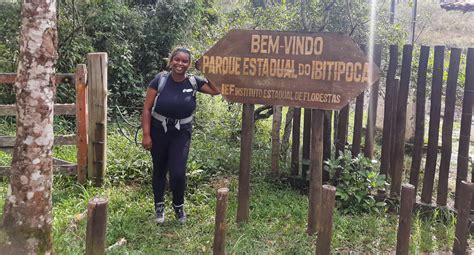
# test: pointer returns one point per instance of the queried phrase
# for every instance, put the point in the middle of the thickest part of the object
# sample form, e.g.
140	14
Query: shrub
356	182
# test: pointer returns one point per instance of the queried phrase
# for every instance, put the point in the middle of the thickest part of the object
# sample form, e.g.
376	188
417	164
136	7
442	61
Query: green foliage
356	182
127	162
137	39
9	33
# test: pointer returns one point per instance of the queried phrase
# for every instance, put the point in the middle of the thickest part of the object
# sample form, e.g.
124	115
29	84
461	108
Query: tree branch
261	114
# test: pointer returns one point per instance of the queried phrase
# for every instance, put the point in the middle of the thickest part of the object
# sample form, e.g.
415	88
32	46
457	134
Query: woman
167	125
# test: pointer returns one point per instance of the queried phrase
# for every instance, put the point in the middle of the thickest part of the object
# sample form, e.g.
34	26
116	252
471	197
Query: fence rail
9	141
9	78
59	109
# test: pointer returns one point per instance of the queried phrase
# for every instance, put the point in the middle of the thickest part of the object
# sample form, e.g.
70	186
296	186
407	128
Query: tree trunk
27	216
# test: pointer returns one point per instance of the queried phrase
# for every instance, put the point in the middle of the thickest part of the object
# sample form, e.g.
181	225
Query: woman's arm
209	88
146	117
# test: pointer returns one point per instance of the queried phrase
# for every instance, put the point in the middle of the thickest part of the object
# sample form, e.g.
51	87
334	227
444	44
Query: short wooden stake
220	225
462	222
81	121
404	221
96	226
323	244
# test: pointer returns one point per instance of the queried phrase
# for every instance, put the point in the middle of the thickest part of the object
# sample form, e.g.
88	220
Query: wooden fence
400	83
60	166
91	97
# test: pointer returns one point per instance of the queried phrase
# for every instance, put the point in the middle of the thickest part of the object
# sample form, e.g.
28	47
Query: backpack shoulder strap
163	77
193	82
162	82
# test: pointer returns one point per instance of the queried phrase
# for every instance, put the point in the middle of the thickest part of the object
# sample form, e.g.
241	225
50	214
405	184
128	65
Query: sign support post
316	170
245	160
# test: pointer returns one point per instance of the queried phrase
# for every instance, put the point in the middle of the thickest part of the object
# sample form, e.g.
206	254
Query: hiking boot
160	212
180	214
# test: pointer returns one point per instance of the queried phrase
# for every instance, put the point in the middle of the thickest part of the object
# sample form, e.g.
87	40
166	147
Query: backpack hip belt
177	122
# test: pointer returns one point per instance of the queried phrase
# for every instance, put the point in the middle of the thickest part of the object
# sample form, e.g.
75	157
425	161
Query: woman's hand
146	117
146	142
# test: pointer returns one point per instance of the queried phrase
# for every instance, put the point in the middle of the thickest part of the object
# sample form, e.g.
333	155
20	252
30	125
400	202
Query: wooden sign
311	70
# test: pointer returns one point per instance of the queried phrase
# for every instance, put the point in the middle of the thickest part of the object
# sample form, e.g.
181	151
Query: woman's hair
179	50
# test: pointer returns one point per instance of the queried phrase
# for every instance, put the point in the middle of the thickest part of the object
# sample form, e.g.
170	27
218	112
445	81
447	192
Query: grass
277	225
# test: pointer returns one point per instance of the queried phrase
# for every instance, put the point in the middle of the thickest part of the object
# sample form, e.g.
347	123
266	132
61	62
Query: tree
27	217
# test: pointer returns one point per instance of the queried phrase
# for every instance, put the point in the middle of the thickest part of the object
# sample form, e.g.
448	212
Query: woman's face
180	63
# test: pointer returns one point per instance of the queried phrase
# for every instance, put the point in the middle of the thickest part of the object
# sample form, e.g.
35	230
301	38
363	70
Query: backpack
163	76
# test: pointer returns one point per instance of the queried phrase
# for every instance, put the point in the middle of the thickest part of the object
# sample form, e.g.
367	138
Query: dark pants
170	154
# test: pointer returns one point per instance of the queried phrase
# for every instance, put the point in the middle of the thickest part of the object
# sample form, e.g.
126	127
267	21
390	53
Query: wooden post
420	116
432	152
81	121
276	125
220	225
404	221
323	244
97	109
372	112
358	117
462	222
399	134
342	130
388	108
327	142
99	155
316	170
447	129
306	143
96	226
396	88
295	142
472	200
335	125
245	160
466	119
